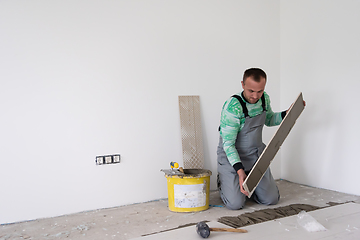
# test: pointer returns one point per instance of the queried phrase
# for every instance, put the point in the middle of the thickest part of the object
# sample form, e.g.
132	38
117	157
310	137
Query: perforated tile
191	133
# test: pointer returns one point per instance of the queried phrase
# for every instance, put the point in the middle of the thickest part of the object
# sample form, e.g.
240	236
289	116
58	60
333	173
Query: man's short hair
255	73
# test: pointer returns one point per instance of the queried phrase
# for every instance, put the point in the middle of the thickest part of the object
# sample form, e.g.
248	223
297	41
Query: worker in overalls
242	119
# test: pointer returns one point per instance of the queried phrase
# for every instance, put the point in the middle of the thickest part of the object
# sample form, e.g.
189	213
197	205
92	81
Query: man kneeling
240	145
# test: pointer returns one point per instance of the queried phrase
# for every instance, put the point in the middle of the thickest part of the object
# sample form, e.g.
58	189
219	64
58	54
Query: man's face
253	90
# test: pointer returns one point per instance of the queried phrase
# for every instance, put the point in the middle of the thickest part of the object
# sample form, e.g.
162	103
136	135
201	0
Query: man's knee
273	199
234	203
267	192
270	199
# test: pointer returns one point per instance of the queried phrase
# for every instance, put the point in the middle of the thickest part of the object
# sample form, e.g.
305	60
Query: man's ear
243	85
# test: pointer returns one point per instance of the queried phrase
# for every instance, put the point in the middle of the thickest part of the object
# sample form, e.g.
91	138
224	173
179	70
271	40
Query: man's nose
257	95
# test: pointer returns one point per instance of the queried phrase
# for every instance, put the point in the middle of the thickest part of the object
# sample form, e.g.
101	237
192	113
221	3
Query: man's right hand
242	177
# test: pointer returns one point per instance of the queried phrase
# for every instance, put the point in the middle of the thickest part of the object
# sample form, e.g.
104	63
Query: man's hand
242	177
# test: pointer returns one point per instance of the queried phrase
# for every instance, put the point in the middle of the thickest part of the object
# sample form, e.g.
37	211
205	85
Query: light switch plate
107	159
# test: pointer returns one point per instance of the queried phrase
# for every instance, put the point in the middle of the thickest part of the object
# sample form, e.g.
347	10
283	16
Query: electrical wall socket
116	158
107	159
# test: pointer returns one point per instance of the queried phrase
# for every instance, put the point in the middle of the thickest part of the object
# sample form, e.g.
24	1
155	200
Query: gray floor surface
133	221
341	221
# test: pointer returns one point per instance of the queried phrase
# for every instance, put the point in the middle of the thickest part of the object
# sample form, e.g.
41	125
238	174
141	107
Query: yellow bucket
188	192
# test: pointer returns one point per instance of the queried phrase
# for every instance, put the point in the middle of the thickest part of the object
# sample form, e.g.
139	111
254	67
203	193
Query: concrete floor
133	221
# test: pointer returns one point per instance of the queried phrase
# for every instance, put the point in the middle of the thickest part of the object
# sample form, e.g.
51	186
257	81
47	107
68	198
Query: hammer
204	231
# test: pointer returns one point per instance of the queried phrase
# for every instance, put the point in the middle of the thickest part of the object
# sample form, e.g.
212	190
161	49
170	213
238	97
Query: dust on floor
132	221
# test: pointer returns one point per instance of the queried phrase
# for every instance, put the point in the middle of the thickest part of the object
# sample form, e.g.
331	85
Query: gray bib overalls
249	145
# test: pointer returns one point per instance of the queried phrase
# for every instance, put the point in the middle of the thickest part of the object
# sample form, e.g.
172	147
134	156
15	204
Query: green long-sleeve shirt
233	120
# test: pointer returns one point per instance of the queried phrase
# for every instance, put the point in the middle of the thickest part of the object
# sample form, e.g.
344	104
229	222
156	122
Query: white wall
320	55
86	78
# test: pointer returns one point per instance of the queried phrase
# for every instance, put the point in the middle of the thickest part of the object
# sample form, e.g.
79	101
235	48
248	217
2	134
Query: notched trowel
175	169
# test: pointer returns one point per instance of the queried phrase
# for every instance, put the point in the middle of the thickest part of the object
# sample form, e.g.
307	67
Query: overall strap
243	105
263	102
